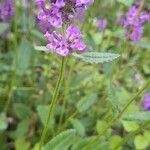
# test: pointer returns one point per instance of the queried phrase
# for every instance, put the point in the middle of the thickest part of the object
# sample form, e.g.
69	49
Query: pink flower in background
146	101
102	24
133	22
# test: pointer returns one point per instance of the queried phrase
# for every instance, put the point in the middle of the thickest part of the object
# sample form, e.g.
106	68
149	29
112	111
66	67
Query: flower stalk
53	102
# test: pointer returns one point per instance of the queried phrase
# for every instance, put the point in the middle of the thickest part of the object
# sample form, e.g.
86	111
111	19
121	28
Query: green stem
112	121
14	66
67	82
53	102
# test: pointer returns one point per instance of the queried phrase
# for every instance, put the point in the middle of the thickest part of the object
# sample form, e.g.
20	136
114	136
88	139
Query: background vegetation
100	105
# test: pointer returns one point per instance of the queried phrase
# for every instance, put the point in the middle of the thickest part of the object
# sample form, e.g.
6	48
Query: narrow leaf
96	57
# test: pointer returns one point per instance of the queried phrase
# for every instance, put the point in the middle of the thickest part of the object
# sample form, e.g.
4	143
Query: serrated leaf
137	116
113	99
96	57
62	141
86	102
3	122
3	27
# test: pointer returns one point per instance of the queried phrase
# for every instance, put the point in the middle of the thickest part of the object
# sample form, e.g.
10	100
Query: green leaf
86	102
137	116
41	48
78	126
3	27
24	57
130	126
113	98
62	141
143	44
96	57
147	135
22	129
43	114
22	111
101	127
114	141
21	144
95	144
126	2
3	122
140	142
38	35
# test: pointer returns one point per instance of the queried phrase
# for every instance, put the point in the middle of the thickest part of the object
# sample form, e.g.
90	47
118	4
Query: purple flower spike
102	24
65	45
146	102
6	10
133	22
60	12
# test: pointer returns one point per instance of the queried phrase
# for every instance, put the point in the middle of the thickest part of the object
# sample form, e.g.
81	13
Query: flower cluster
146	102
6	10
64	45
134	21
57	13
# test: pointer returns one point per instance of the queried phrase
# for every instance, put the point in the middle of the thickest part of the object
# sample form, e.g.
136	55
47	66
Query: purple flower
146	101
133	22
61	11
102	24
44	26
65	45
6	10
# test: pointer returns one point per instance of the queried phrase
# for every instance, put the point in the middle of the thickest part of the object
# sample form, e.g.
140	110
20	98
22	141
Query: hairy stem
53	102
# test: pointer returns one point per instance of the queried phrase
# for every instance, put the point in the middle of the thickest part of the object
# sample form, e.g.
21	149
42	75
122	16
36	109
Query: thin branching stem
113	121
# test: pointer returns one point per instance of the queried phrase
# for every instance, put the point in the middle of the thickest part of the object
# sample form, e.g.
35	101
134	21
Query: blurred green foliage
91	95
